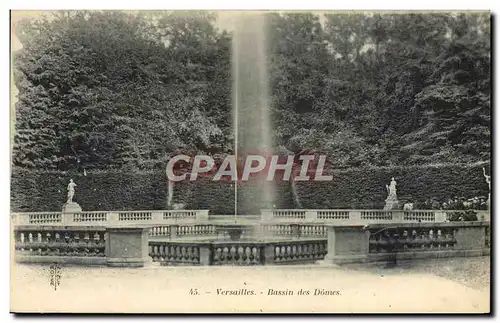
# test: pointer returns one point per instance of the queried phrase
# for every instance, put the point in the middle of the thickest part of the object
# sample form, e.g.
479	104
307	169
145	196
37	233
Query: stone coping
114	211
129	226
460	224
219	241
249	224
365	210
57	227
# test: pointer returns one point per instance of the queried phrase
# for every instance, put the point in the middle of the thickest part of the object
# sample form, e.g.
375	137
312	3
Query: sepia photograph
193	161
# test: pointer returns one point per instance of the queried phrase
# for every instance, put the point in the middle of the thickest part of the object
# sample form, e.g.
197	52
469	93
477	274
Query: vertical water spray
251	110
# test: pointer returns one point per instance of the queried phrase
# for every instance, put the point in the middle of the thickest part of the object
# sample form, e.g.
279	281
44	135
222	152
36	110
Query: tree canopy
104	89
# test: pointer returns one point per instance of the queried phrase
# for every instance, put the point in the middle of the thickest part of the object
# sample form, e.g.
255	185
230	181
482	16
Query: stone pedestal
440	216
71	207
391	204
204	254
311	215
347	244
127	246
268	255
470	238
202	215
266	215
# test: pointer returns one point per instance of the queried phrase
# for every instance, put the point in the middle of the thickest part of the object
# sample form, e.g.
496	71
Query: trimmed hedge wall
114	190
107	190
365	188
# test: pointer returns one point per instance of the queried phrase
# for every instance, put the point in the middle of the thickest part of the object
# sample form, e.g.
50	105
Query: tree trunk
170	193
295	195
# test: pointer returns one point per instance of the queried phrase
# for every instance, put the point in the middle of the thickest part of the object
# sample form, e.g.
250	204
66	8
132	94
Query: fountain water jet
251	107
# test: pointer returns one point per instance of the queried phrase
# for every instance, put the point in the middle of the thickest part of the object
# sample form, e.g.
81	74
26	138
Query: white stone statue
71	191
488	178
391	189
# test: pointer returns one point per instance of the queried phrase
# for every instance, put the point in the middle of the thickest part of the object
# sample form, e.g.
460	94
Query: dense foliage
363	188
124	91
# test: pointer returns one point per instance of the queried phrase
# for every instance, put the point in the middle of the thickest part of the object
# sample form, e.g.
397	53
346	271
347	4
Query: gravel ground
458	285
472	272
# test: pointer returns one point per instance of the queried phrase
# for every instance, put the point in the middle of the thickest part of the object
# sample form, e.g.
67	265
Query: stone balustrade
76	245
350	243
169	253
160	217
365	215
237	253
133	245
292	230
299	251
108	217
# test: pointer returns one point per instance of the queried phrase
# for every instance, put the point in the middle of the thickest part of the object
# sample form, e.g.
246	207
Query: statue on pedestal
71	191
70	206
391	202
391	189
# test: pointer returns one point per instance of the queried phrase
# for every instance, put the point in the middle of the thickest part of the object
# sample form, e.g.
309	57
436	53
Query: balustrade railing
201	216
365	215
332	215
376	215
175	253
287	243
417	215
161	231
135	216
195	230
318	231
286	214
277	230
299	251
86	217
179	214
44	217
173	231
403	239
237	253
52	241
109	217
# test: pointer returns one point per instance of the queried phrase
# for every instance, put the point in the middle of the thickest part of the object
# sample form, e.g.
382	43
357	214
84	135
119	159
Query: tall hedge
33	190
365	188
